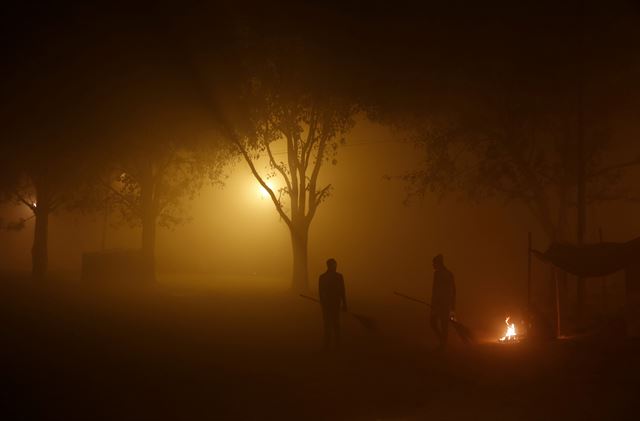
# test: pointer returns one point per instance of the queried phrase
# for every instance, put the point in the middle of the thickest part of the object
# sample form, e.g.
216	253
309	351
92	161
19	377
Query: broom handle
308	297
421	302
411	298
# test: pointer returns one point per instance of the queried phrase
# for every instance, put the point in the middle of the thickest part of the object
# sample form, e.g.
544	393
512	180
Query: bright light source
264	194
35	205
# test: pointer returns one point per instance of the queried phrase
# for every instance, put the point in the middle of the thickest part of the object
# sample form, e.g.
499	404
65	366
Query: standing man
332	296
443	300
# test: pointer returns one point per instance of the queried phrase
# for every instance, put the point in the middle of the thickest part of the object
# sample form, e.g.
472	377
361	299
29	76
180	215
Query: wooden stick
365	321
463	331
529	272
308	297
411	298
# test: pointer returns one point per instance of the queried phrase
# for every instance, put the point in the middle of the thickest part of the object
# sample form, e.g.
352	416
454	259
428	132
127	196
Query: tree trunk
148	249
39	252
299	243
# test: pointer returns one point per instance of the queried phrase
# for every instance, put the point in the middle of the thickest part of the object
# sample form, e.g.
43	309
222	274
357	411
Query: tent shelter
602	259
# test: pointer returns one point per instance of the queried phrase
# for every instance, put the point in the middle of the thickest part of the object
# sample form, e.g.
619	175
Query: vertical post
105	222
580	155
582	216
558	318
604	280
529	271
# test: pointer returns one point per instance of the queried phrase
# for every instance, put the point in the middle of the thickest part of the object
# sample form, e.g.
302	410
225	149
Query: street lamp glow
264	194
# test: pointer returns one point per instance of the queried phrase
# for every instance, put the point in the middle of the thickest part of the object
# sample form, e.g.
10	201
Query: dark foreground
158	353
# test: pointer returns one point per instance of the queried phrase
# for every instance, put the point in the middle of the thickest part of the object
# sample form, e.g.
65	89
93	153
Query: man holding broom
332	296
443	300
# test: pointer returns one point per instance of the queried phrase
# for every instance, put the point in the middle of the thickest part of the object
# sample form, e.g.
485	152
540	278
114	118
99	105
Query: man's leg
434	320
444	320
336	328
327	327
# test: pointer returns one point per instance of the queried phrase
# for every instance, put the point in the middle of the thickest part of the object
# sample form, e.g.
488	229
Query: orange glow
511	334
264	194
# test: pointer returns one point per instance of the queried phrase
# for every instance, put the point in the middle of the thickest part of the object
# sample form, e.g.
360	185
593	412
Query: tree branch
319	157
24	201
132	206
292	154
55	201
258	177
311	137
602	171
277	166
317	199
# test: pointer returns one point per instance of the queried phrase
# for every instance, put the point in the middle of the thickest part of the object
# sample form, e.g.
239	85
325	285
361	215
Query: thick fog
234	239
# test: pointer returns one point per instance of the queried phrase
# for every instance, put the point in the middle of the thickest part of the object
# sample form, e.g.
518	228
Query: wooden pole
604	280
558	318
529	271
105	223
581	159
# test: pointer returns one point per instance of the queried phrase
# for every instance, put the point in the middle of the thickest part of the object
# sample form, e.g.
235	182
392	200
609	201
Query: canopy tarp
593	259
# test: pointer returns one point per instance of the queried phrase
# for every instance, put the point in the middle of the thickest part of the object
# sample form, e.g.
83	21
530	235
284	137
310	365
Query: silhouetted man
443	300
332	295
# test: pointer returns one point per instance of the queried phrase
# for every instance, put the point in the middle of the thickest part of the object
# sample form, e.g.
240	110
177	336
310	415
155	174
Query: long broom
464	332
366	322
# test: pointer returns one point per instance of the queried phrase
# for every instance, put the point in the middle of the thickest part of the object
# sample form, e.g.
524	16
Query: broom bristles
464	332
366	322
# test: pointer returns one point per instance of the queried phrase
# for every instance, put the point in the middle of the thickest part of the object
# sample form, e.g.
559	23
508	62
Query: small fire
511	334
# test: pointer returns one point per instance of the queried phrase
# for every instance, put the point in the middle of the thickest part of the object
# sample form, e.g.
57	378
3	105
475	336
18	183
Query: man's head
332	264
438	262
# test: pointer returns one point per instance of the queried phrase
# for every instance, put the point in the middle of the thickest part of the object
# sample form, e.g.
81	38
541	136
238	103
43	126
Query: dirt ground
154	353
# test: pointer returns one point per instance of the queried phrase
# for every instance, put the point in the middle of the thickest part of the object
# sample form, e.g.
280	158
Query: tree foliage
291	112
511	127
310	128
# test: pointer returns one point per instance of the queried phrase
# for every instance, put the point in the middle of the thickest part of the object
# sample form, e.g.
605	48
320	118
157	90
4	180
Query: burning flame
511	331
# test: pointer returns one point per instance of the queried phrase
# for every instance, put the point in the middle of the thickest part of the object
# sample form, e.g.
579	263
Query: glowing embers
511	335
